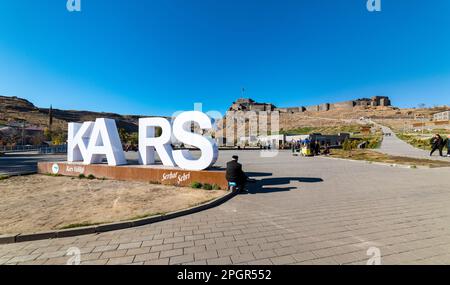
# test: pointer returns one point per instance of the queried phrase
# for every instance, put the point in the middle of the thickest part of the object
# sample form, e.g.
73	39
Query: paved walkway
16	164
301	211
392	145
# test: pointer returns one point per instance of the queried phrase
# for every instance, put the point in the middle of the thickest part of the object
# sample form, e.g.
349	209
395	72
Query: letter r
148	143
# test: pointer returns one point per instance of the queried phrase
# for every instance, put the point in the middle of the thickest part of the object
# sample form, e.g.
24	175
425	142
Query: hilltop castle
244	104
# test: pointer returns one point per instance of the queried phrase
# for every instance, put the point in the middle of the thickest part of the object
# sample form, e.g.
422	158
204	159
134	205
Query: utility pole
23	134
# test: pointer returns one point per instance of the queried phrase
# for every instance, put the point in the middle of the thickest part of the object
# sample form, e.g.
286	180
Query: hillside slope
14	110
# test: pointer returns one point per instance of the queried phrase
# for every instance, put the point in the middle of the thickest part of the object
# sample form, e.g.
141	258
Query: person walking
437	143
448	145
312	145
317	148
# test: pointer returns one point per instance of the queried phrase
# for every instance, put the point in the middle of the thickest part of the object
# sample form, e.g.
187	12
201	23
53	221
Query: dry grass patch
40	203
373	156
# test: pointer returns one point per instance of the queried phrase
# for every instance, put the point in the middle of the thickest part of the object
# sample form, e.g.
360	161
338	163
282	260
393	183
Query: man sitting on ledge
236	174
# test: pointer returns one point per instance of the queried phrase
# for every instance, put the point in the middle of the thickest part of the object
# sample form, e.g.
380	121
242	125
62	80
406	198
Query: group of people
310	148
438	143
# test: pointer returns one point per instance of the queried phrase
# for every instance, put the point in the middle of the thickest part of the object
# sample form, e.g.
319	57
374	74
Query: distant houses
442	116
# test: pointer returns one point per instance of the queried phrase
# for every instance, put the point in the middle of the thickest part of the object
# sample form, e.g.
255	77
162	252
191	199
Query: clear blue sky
159	56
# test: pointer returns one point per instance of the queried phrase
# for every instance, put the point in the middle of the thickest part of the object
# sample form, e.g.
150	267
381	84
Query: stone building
442	116
246	104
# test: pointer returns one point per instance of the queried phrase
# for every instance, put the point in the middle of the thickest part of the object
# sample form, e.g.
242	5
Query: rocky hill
334	116
14	111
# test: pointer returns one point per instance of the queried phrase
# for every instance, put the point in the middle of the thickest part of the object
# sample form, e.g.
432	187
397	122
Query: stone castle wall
250	105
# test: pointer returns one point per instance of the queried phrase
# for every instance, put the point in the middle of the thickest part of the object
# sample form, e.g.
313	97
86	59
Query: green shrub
81	176
374	143
207	186
4	177
216	187
349	144
91	177
196	185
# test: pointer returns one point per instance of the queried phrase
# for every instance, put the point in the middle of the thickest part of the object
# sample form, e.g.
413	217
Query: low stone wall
153	174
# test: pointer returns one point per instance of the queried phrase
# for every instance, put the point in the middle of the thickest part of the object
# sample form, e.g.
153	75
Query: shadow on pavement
265	185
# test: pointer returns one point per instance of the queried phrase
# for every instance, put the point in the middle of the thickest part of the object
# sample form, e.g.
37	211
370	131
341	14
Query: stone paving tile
183	244
146	257
113	253
206	255
130	245
249	248
173	240
136	251
90	256
120	260
241	258
171	253
164	247
95	262
163	261
260	262
282	260
194	249
58	261
104	248
153	242
228	252
200	262
219	261
5	259
50	254
23	258
35	262
181	259
265	254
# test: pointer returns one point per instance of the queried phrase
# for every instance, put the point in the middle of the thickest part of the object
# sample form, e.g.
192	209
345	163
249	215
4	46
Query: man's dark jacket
234	172
437	142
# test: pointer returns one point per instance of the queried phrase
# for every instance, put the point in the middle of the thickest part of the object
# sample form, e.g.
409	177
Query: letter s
208	148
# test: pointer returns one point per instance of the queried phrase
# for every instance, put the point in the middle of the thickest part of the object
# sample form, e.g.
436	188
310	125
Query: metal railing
30	148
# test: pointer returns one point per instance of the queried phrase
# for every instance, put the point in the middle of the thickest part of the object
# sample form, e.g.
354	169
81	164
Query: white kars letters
91	142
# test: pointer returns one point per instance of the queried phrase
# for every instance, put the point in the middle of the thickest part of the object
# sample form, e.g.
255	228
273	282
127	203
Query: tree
58	139
47	134
123	135
133	138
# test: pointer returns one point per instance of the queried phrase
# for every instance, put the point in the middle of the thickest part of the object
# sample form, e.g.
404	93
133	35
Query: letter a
105	142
